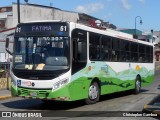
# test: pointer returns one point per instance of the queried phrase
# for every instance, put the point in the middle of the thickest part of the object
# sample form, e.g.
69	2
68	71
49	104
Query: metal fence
4	76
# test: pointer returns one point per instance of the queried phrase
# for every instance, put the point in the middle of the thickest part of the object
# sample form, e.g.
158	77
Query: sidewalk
4	94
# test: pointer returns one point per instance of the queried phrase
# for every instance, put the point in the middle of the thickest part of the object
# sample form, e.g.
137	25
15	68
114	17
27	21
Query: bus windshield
41	53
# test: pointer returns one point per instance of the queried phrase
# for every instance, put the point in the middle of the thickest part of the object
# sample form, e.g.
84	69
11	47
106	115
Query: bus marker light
89	68
63	98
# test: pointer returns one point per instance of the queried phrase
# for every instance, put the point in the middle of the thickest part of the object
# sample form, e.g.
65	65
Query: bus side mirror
7	45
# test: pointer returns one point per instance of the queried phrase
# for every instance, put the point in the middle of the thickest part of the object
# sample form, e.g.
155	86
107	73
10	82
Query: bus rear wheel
137	85
94	93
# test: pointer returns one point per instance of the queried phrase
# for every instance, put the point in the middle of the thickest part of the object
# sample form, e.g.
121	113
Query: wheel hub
93	92
138	85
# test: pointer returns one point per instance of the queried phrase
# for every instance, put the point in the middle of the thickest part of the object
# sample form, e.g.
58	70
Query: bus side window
113	55
122	58
106	48
140	59
142	53
79	39
94	46
81	50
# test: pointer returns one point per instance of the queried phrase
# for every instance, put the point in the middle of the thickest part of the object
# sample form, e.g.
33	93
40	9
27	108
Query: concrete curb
5	97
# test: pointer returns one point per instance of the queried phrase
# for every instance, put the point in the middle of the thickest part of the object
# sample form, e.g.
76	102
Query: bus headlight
60	84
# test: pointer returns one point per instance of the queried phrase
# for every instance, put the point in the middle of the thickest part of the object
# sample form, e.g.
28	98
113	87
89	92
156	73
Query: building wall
4	56
33	13
65	16
157	36
29	13
3	19
9	22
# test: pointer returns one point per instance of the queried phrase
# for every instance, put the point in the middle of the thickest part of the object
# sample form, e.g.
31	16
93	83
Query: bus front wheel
94	93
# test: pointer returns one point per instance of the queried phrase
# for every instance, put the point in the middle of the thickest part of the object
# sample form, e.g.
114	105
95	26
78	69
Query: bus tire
137	85
94	93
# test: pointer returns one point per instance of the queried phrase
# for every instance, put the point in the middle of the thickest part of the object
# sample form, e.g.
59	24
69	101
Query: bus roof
108	31
112	33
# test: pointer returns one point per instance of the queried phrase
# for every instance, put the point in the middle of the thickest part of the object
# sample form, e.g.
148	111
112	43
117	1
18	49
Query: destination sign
58	28
41	28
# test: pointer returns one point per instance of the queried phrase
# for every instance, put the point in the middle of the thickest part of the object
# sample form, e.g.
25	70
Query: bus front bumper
39	94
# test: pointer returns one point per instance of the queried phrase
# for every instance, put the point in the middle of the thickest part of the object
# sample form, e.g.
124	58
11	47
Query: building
9	15
130	31
5	14
156	35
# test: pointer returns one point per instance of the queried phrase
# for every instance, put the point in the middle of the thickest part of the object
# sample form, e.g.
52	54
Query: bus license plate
33	94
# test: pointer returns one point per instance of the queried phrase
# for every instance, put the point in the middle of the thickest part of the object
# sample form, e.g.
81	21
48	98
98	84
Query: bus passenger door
79	50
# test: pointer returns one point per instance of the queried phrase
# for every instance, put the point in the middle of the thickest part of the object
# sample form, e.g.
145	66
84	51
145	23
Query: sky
121	13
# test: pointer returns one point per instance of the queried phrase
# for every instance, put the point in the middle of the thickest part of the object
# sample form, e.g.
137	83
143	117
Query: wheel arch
138	76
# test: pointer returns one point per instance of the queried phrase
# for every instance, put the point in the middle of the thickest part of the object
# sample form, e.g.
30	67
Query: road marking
145	106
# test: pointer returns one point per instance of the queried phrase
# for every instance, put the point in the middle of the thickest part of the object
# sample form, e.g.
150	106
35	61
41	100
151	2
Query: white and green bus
66	61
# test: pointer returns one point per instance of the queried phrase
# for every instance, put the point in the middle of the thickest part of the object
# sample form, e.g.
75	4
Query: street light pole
135	22
18	10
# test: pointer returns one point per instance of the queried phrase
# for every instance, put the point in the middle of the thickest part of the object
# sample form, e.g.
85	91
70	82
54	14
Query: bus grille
38	75
26	92
35	76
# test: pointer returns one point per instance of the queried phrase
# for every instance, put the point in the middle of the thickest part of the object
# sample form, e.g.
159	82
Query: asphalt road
124	101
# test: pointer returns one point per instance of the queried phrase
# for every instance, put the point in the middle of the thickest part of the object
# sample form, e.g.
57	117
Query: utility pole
18	10
135	22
